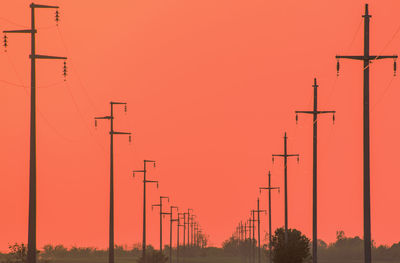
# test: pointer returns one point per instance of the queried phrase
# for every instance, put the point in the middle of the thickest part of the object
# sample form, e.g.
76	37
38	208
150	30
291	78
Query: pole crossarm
105	117
315	112
42	6
121	133
29	31
46	57
151	181
366	57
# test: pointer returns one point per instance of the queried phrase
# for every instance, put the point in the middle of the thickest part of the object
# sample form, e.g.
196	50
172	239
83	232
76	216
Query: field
206	259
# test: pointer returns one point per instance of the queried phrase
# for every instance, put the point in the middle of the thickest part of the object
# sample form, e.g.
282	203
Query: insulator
95	123
65	71
154	164
130	138
394	67
273	159
333	118
5	43
126	108
298	159
297	118
337	68
57	17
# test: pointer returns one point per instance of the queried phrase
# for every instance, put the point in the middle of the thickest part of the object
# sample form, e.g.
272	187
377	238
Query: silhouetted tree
297	249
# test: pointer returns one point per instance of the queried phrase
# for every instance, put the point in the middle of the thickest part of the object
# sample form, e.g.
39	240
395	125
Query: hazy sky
211	87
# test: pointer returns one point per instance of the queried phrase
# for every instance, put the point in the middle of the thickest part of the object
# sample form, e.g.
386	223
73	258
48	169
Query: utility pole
285	155
171	220
188	226
253	241
112	133
192	230
145	181
31	255
258	225
269	188
184	231
177	240
367	59
161	217
315	113
196	233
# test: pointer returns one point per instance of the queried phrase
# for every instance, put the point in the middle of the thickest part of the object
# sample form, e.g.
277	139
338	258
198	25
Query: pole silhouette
188	227
315	112
258	211
161	217
367	59
192	223
285	155
177	241
111	215
145	181
31	253
184	231
269	188
171	220
253	241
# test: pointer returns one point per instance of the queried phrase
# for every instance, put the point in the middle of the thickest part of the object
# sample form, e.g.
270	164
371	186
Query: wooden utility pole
145	181
285	155
177	239
31	254
258	211
367	59
315	112
269	188
188	226
111	215
171	220
161	217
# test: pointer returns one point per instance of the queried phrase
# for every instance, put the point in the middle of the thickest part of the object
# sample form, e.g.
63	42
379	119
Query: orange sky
211	87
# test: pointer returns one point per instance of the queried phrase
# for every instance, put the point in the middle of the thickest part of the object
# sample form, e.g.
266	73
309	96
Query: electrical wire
91	102
383	94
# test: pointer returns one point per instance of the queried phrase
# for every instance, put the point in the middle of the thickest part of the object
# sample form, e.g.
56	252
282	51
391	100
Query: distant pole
253	241
315	113
367	59
145	181
111	215
31	253
170	229
250	240
258	211
188	227
161	217
269	188
192	231
177	240
285	155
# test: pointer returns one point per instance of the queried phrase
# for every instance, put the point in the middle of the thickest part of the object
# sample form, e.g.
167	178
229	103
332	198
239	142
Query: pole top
367	15
315	83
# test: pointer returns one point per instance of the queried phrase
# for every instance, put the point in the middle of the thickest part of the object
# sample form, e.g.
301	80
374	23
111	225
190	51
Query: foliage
297	249
153	257
18	252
